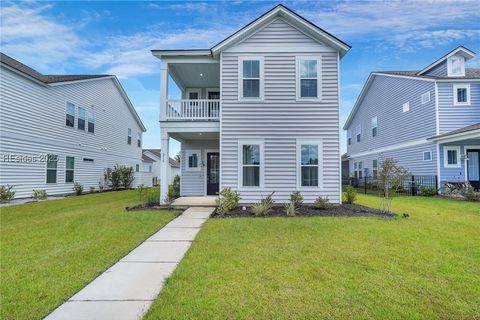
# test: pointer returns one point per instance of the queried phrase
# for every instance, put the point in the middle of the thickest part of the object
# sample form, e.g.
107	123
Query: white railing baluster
193	109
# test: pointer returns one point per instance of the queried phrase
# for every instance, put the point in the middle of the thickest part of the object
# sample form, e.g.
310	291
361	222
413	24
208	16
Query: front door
473	167
213	173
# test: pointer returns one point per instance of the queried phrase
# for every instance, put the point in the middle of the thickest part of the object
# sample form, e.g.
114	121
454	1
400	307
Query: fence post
436	182
365	184
412	187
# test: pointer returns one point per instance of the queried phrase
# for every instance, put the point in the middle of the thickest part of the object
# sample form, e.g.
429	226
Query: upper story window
129	136
426	97
349	136
309	166
358	132
139	139
456	66
451	157
193	159
374	126
91	122
308	78
251	78
81	118
251	161
70	115
406	107
461	94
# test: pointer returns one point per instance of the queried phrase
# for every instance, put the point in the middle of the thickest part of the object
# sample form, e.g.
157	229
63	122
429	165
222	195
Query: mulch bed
343	210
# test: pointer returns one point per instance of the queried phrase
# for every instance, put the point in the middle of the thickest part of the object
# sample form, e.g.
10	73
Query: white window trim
374	126
460	86
56	169
190	152
241	143
358	131
193	90
319	77
319	143
431	155
74	114
129	135
427	99
349	137
65	178
211	90
240	78
450	67
445	157
406	107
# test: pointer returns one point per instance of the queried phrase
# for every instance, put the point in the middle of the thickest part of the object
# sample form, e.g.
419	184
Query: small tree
390	177
178	157
127	176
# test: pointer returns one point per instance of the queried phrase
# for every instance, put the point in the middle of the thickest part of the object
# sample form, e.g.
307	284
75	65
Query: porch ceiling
196	75
195	135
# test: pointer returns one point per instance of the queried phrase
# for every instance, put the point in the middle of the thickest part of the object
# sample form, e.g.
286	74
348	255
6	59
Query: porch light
201	74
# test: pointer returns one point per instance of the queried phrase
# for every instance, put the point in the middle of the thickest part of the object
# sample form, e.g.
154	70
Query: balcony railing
193	109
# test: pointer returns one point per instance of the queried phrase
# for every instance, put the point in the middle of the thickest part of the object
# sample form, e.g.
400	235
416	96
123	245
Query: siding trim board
391	148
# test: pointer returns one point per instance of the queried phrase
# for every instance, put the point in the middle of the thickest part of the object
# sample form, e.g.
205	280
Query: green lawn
424	267
50	250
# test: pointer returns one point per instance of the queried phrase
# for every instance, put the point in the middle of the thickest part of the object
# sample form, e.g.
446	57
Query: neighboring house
155	156
427	120
61	129
345	168
259	111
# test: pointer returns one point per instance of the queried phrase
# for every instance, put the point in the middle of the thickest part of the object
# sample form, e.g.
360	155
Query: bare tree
390	178
178	157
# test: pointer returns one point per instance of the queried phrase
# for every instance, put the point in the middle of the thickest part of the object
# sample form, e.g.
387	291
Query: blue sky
116	38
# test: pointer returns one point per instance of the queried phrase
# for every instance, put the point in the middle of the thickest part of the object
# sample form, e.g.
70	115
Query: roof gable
280	11
461	50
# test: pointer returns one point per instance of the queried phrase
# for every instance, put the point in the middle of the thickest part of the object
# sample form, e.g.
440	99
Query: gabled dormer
450	65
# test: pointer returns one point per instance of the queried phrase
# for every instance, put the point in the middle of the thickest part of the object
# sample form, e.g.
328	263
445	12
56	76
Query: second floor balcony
193	109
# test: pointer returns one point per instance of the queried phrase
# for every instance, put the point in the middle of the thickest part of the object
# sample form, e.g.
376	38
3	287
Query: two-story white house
428	120
259	111
59	129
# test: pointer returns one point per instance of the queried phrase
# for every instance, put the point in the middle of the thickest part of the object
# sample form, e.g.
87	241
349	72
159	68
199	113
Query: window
461	94
129	136
360	170
87	160
427	155
374	126
456	66
375	168
52	161
308	82
137	168
69	169
150	168
309	159
451	157
406	107
81	118
139	139
251	164
355	169
426	97
70	115
358	131
349	136
193	158
91	122
251	81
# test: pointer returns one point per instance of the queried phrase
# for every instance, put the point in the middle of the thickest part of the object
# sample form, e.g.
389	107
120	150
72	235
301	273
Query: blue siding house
428	120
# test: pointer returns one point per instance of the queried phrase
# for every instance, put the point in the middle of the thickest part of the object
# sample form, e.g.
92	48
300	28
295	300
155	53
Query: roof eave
467	52
456	136
182	53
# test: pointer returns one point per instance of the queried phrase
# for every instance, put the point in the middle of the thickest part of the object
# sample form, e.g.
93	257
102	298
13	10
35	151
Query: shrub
6	193
153	199
120	176
471	195
91	189
115	178
77	188
322	203
127	175
174	188
296	199
428	191
227	201
39	194
290	209
350	195
142	192
263	207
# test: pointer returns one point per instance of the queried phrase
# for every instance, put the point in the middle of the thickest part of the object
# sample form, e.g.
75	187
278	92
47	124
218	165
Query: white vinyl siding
461	94
250	78
308	82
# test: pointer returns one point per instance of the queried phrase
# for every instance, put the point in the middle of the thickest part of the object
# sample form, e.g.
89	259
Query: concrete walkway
207	201
128	288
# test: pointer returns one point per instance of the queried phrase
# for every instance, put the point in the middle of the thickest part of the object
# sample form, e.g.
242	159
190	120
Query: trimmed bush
322	203
227	201
39	194
350	195
153	199
296	199
290	209
428	191
263	207
471	195
6	193
77	188
174	188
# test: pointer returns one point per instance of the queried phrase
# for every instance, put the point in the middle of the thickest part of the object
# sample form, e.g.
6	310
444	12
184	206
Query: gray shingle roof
154	151
469	128
147	158
17	65
470	73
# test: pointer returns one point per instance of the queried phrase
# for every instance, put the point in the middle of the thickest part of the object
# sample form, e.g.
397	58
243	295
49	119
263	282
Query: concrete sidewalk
128	288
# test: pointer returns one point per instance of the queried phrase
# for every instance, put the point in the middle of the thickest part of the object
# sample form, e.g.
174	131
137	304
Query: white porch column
163	90
164	166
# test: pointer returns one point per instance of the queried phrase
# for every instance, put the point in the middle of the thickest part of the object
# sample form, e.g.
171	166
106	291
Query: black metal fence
410	185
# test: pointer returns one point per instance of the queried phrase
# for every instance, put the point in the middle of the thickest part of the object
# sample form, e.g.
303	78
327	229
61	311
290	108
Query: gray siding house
59	129
427	120
259	111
